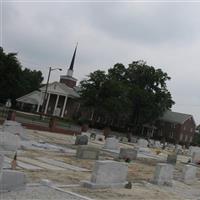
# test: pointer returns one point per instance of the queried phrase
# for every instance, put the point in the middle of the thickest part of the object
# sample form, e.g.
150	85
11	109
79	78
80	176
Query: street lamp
45	94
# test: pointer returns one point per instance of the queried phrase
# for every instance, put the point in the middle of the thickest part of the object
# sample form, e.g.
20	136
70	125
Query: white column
56	104
38	107
47	103
40	101
64	106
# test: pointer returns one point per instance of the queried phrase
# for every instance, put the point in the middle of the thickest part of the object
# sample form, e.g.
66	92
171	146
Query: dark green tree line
134	95
15	81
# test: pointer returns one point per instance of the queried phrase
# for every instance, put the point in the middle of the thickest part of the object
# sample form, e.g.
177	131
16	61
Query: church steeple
68	79
71	67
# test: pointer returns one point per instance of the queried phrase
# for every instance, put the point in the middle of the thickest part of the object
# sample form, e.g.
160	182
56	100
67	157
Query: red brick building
176	128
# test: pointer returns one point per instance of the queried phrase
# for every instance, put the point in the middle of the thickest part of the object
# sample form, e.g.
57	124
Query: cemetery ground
52	156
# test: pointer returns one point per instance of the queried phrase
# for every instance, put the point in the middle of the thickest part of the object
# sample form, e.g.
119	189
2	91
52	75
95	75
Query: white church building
60	96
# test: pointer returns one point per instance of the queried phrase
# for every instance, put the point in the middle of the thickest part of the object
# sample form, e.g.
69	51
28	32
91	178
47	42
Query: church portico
56	105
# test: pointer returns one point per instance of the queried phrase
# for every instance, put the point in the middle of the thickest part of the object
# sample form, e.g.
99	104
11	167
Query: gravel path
39	193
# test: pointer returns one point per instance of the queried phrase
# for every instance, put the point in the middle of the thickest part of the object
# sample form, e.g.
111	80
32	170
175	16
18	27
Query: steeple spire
73	58
68	79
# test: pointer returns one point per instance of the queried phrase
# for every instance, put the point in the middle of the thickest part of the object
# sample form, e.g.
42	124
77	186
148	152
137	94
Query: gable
54	88
34	97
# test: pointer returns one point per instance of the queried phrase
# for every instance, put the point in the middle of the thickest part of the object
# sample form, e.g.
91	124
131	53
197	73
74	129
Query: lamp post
47	84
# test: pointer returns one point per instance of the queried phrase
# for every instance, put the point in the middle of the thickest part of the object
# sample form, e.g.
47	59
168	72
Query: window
171	135
186	138
191	139
181	137
184	128
191	129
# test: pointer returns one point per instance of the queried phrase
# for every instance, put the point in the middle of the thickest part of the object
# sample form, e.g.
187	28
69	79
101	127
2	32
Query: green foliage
15	81
137	94
196	140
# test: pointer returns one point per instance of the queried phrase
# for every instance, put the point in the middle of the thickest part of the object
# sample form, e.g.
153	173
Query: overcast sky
166	35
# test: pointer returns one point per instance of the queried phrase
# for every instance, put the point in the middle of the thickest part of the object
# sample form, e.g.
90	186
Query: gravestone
133	140
9	142
107	174
196	157
143	150
163	174
193	149
111	143
142	143
128	154
100	138
85	152
1	164
88	134
189	174
157	144
124	139
172	158
178	149
81	140
12	180
151	143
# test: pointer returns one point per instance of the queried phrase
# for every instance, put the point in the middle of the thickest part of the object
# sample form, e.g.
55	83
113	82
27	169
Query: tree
134	95
148	92
91	92
15	81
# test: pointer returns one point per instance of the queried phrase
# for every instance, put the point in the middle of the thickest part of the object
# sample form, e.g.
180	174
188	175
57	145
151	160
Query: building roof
31	98
175	117
36	97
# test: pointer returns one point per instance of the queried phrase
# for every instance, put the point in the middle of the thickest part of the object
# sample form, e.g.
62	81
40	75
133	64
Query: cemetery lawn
140	171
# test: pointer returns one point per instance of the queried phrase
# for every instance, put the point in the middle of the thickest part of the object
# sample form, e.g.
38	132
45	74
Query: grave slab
62	164
107	174
24	165
85	152
40	164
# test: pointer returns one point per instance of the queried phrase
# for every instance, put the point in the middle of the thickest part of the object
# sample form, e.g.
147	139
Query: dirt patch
62	177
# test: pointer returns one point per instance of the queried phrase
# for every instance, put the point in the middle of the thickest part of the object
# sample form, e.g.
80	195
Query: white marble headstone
9	142
112	143
142	143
